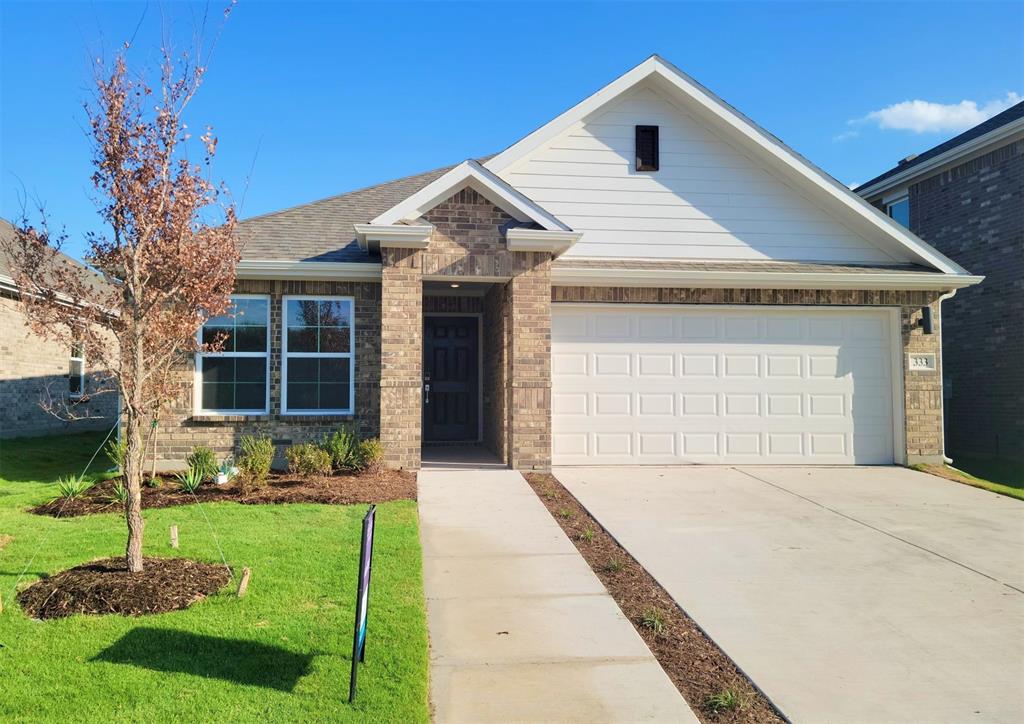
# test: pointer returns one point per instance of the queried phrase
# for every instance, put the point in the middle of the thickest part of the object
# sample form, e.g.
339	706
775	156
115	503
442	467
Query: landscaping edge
712	684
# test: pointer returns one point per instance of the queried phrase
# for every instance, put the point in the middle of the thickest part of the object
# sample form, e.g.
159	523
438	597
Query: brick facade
974	214
31	368
180	429
922	390
401	374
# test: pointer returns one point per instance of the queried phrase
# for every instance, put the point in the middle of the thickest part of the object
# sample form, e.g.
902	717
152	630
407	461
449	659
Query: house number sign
921	362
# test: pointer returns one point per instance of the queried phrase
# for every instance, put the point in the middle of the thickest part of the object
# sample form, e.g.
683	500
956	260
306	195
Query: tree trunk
133	464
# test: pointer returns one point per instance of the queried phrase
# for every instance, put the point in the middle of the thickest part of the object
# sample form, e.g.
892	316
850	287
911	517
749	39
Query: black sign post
362	598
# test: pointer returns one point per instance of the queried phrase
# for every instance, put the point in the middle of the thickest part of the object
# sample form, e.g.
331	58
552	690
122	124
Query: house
965	197
647	278
36	372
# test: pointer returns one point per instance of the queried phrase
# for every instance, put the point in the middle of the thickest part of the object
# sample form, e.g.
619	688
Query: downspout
942	372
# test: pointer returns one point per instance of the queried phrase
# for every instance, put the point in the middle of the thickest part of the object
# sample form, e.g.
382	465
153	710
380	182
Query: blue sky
316	99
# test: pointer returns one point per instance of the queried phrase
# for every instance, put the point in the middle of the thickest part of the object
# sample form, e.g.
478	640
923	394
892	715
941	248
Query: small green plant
72	486
654	619
587	536
115	452
613	565
190	480
120	493
728	700
565	514
153	482
371	453
257	454
344	448
203	460
308	459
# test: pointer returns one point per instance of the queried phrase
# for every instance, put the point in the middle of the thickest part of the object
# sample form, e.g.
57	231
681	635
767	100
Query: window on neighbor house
234	380
76	371
318	365
646	148
899	211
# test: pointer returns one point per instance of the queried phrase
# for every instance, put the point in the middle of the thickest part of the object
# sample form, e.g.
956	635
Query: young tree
169	254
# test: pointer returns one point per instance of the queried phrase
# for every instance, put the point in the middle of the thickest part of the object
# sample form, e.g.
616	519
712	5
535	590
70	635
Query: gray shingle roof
322	230
7	233
1000	119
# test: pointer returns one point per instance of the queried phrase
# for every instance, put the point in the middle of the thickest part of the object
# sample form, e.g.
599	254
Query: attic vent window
646	148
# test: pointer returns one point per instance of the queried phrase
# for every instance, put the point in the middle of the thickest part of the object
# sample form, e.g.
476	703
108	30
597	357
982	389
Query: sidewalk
520	628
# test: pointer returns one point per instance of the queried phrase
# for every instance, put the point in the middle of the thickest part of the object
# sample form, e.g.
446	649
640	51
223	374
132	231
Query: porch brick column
923	390
401	350
529	412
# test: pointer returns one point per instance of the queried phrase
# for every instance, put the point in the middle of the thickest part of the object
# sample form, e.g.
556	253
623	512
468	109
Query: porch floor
460	457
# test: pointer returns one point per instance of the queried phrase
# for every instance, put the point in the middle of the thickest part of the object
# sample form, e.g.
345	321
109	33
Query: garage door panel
664	385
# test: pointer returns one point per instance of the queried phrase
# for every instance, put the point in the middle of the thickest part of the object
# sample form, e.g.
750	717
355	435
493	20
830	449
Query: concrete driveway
846	594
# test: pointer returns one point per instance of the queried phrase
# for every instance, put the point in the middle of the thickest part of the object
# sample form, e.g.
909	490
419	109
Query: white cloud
927	117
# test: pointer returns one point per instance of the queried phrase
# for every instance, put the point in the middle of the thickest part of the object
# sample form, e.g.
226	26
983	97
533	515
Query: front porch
465	361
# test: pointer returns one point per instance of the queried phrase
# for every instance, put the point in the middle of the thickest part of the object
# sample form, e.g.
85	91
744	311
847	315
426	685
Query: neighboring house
35	370
647	278
965	197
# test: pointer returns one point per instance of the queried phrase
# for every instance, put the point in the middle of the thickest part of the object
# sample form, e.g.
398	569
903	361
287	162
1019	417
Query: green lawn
282	653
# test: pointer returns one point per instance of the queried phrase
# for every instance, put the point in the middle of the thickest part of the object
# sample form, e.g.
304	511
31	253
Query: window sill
229	417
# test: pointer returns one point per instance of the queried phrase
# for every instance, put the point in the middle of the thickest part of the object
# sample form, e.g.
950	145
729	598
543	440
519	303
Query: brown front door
451	379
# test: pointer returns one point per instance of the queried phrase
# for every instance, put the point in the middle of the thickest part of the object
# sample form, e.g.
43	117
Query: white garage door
671	384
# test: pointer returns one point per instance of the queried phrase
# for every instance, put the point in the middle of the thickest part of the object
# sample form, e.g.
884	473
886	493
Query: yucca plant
119	493
190	480
71	486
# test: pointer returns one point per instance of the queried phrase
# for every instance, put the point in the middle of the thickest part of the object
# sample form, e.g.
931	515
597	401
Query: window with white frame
899	210
318	365
76	371
234	380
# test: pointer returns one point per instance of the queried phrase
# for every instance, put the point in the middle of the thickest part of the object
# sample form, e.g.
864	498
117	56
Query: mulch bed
106	586
698	668
374	486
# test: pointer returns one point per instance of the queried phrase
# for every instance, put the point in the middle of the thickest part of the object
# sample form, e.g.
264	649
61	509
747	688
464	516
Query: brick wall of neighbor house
974	214
32	368
922	390
180	429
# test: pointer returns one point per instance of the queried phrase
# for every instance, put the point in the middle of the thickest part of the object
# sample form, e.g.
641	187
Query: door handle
426	390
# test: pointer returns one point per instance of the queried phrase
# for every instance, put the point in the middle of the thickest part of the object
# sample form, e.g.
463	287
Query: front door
451	379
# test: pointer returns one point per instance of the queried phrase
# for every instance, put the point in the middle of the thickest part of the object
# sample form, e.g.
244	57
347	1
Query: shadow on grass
243	662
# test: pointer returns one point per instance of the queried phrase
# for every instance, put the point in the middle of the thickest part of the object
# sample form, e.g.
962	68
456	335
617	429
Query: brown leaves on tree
166	262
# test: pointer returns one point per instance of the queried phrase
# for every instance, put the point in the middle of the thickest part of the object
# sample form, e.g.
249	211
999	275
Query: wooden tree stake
243	583
174	536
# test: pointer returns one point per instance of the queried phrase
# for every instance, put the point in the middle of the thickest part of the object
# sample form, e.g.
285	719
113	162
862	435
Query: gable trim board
836	200
470	174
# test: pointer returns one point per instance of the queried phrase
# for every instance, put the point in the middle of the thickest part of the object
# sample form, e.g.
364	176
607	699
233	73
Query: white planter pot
222	478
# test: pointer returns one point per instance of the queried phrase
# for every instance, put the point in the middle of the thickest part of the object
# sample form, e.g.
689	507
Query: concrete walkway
847	594
521	630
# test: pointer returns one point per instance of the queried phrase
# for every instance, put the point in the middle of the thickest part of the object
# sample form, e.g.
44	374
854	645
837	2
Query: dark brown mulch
106	586
372	486
697	667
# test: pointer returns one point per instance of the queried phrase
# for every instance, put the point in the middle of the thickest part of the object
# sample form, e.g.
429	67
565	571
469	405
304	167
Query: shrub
654	620
71	486
344	448
190	480
308	459
115	452
728	700
371	454
120	493
257	454
153	482
203	460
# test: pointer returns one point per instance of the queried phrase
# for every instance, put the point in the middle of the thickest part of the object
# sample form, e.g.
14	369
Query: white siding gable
707	201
